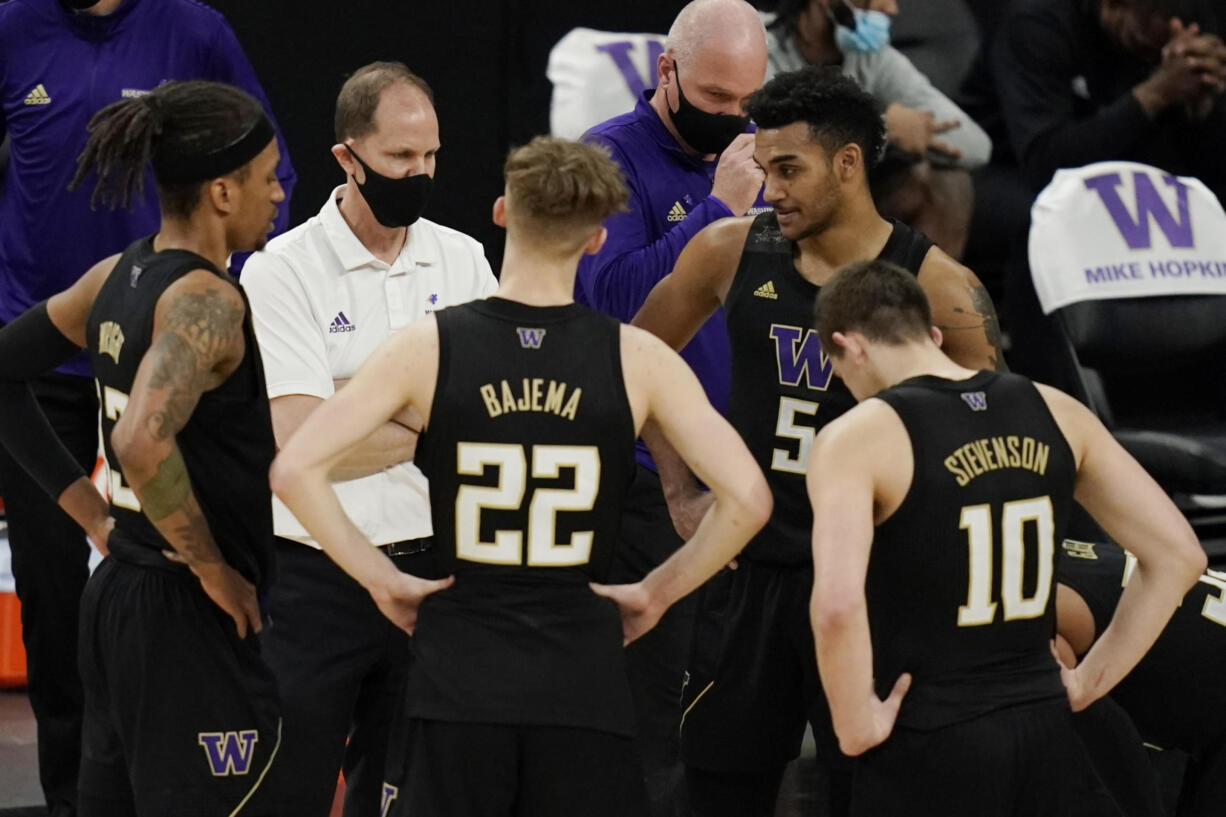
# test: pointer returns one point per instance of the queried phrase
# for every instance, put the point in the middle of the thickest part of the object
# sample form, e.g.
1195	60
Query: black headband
179	168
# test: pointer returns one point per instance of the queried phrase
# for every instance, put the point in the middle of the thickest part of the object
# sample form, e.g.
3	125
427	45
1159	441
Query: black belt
408	547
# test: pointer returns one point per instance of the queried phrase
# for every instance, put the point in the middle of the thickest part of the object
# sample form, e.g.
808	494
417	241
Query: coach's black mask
78	5
394	202
703	131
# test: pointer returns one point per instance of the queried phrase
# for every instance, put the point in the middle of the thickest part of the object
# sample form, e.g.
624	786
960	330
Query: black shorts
502	770
1023	760
181	716
752	680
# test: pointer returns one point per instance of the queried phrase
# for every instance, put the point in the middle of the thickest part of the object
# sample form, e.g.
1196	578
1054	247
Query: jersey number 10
511	460
976	520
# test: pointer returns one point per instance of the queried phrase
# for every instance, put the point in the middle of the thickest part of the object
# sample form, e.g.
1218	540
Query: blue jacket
670	202
57	69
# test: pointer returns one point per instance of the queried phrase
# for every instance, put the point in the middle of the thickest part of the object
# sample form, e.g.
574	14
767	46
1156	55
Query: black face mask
705	132
78	5
394	202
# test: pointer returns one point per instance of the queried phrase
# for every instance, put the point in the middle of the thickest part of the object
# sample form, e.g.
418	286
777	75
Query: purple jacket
670	201
56	70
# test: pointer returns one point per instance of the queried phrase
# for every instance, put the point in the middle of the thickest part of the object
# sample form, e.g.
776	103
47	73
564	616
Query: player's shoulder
860	423
939	267
725	234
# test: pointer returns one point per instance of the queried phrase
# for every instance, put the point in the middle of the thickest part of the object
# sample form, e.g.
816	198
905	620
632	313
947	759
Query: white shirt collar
421	248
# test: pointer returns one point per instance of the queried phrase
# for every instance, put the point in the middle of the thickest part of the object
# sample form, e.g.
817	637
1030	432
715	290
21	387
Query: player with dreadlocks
181	715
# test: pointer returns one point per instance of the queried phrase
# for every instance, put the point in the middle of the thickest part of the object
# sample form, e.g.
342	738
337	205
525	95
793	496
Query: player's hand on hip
401	597
738	178
232	593
101	534
879	724
634	603
1079	695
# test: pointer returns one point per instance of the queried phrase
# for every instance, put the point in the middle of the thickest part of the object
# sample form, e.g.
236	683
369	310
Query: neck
384	243
815	37
204	237
894	364
659	104
536	279
857	232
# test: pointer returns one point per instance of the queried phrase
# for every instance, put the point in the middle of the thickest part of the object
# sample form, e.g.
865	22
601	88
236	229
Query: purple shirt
57	69
670	201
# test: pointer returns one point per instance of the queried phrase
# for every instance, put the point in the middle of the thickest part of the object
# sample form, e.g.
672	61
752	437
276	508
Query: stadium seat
1132	263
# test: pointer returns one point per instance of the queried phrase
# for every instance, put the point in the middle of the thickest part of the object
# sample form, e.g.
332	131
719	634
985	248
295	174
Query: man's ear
937	337
848	161
222	194
500	212
597	241
848	344
348	164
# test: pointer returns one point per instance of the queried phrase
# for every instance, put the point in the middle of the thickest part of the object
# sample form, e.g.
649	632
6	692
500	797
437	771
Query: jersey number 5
977	522
507	548
113	403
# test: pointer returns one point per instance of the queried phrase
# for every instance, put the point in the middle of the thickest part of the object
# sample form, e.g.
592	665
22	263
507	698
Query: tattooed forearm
168	489
192	539
200	328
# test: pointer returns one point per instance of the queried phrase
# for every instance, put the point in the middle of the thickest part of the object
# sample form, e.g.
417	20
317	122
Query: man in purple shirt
688	162
61	61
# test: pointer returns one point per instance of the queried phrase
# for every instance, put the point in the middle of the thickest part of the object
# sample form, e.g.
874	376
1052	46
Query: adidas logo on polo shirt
38	96
677	213
340	324
767	290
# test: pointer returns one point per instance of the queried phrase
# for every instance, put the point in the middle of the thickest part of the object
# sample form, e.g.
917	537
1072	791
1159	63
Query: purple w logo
229	752
1177	228
977	400
530	338
619	52
800	356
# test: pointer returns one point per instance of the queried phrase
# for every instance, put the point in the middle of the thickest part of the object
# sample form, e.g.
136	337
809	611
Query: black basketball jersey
529	453
783	386
227	443
1176	694
960	577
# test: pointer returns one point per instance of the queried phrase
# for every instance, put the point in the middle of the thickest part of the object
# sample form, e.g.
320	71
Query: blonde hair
560	191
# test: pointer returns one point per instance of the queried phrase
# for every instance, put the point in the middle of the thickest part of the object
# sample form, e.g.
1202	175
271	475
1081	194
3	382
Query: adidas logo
675	214
38	96
767	290
340	324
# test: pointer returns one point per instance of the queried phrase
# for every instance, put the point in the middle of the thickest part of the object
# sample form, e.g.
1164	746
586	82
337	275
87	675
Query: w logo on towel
1136	232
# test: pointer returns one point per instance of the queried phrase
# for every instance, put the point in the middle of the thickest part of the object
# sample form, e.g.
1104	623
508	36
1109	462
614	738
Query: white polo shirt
322	303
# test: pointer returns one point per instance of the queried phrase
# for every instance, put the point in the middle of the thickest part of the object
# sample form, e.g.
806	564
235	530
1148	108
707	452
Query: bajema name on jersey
533	395
993	453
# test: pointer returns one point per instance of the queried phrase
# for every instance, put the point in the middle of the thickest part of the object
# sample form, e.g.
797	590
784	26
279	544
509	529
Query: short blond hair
559	191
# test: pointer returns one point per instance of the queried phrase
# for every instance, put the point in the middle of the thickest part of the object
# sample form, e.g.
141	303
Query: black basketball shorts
508	770
181	716
1024	760
752	680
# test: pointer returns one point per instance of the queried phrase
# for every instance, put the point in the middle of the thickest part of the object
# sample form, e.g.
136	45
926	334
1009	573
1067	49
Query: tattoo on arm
199	328
168	489
982	315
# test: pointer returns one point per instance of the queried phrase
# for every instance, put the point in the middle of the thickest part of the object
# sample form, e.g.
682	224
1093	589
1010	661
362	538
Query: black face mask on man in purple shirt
705	132
78	5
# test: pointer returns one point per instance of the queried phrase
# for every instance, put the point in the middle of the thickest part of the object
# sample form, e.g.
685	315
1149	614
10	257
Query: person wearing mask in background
688	162
61	61
324	296
924	179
